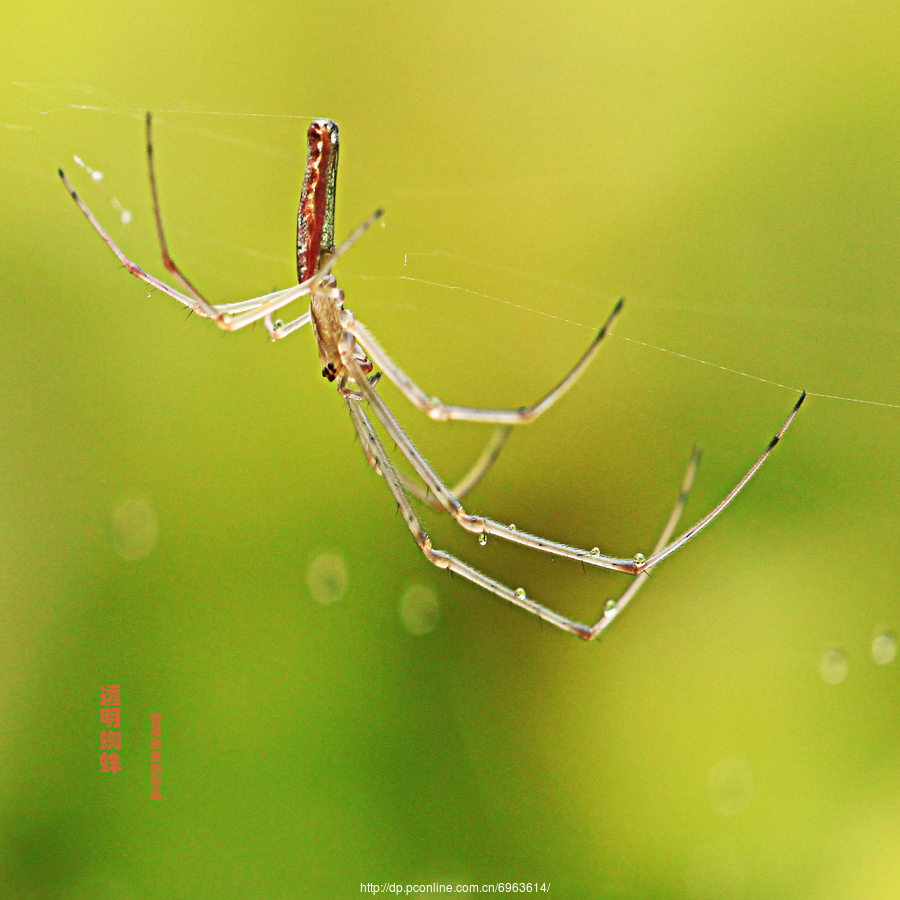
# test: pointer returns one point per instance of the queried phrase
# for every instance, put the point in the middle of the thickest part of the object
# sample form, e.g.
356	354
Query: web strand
613	334
51	93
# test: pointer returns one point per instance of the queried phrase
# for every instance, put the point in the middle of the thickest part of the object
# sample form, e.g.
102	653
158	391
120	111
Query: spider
345	347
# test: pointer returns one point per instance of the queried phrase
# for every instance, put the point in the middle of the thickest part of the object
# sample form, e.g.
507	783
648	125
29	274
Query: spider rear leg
443	412
383	466
480	525
614	607
376	456
471	479
473	524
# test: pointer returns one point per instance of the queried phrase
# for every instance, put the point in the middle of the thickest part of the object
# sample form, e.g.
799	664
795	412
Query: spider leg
375	454
199	306
380	461
229	309
481	525
659	555
250	311
441	412
259	307
472	477
168	262
469	481
614	608
282	331
474	524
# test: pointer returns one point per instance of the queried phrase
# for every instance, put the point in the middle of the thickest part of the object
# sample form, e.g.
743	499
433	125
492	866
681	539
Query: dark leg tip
616	309
66	184
800	401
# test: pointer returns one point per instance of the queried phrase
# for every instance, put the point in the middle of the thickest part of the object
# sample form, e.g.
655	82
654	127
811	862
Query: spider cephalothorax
325	307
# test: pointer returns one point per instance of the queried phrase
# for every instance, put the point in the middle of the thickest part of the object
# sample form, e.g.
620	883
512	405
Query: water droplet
520	593
610	606
639	558
419	610
512	526
834	667
482	539
97	176
135	529
729	785
326	578
884	649
126	217
279	323
595	551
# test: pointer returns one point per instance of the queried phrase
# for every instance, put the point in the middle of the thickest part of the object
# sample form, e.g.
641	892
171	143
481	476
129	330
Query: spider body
315	218
345	347
326	307
315	242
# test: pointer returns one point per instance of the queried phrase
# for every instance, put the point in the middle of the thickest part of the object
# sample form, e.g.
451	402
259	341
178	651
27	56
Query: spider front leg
249	310
233	316
277	330
227	310
168	262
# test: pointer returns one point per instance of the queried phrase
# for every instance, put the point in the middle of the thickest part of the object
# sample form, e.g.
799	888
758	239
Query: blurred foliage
168	493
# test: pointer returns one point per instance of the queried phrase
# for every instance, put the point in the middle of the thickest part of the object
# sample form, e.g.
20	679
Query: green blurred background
174	499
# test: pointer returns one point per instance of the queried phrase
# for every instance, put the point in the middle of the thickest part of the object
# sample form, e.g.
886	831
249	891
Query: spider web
30	108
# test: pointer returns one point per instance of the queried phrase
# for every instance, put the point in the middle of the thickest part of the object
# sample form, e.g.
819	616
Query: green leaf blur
186	513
